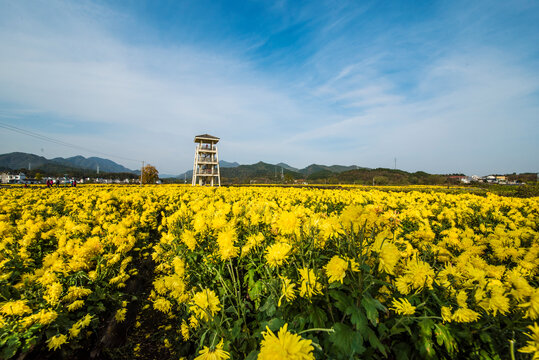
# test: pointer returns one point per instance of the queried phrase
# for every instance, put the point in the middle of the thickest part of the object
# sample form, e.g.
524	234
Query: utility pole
141	171
395	163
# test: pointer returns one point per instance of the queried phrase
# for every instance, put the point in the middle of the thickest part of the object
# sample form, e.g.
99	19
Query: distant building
13	179
206	164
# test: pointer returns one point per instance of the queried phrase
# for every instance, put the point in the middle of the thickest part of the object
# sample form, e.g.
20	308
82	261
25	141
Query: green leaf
269	306
401	351
346	340
275	324
426	348
443	336
375	342
317	317
342	300
370	306
425	328
10	347
357	317
236	329
252	355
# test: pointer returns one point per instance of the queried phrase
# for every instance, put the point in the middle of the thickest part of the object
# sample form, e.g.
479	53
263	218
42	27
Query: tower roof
206	137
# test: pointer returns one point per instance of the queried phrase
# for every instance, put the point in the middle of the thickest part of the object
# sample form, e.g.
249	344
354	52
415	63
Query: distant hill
260	171
92	163
19	160
189	173
266	173
226	164
314	168
287	167
76	164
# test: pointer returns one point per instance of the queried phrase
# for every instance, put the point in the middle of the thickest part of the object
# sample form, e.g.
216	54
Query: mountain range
231	170
20	160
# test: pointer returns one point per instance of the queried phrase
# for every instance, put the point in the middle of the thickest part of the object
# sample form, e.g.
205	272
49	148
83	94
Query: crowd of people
51	183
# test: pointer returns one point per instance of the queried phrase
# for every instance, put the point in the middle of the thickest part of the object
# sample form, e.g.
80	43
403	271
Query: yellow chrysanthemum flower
56	342
205	304
277	253
285	346
188	238
162	304
185	330
532	346
336	269
225	241
216	353
75	305
403	307
287	223
309	283
17	307
464	315
120	315
532	306
288	290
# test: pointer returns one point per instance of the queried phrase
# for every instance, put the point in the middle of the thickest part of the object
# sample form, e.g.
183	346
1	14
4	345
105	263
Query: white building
13	179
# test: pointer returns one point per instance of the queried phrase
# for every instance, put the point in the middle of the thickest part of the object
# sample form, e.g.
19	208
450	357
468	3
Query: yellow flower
225	241
120	314
532	306
465	315
277	253
287	223
205	304
389	257
45	317
75	292
188	238
287	290
56	342
85	321
52	295
285	346
213	354
336	269
446	313
532	346
75	305
309	283
17	307
252	241
403	307
417	275
74	331
185	330
162	304
497	301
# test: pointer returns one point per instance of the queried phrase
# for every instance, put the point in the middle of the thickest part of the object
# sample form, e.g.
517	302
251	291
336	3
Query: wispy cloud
336	84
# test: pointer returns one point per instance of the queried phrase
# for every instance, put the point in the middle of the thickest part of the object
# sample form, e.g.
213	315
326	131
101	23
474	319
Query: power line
60	142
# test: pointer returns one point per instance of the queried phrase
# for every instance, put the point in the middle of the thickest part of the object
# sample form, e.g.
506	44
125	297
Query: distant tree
288	179
149	174
380	180
38	176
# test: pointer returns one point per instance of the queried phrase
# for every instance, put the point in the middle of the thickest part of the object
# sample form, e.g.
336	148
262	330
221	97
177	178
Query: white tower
206	167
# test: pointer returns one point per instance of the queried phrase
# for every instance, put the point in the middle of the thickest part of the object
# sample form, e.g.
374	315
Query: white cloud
350	103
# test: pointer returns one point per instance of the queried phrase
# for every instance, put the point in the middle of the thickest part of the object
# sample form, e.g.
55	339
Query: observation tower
206	167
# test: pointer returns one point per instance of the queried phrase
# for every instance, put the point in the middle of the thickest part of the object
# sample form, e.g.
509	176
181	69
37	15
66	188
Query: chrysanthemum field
267	273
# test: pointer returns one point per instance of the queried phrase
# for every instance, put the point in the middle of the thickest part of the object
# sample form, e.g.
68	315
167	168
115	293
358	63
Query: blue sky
443	86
